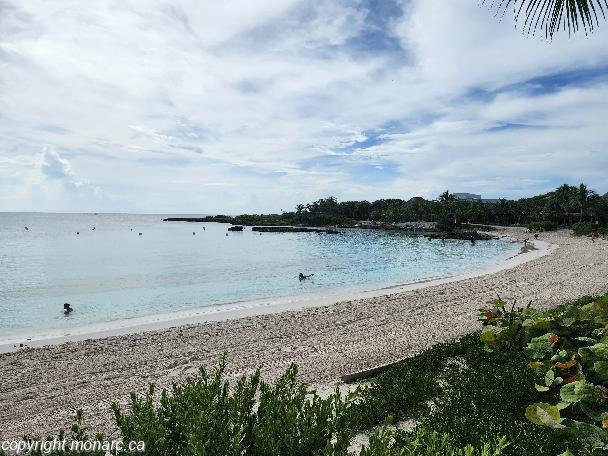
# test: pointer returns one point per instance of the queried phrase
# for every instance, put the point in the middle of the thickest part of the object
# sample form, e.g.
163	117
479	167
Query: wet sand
41	387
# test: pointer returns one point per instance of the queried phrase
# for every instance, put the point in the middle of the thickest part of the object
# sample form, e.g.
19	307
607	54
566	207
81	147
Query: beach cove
42	387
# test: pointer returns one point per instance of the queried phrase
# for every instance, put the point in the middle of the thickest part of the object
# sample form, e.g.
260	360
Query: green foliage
588	229
545	225
562	207
421	442
488	399
203	416
460	389
569	362
583	228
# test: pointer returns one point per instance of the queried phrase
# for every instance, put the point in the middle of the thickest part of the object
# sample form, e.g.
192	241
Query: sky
236	106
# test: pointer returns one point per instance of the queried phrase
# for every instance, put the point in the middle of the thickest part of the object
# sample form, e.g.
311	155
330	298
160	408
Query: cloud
55	167
158	105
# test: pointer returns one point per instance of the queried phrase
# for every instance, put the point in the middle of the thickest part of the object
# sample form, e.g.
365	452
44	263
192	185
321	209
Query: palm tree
583	197
553	15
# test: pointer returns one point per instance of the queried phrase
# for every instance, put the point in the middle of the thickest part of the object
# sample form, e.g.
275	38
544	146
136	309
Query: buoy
77	232
140	234
193	233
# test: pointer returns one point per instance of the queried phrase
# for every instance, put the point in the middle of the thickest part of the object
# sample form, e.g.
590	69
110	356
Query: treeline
563	207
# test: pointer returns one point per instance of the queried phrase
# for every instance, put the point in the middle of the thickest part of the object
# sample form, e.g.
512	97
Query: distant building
416	199
467	196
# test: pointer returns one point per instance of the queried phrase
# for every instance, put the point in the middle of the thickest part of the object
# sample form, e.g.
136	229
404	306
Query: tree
552	15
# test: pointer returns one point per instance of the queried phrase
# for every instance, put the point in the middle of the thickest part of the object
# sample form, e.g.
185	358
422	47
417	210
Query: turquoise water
112	273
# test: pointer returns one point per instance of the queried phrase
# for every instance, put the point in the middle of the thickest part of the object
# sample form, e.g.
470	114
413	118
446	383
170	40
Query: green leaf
566	453
586	355
568	321
488	335
539	347
549	377
499	303
544	414
600	350
540	388
588	340
601	369
562	405
578	391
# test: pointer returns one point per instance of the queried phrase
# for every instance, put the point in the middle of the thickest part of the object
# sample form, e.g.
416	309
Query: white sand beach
42	386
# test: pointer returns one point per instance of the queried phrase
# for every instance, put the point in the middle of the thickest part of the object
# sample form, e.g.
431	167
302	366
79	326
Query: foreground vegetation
530	382
562	207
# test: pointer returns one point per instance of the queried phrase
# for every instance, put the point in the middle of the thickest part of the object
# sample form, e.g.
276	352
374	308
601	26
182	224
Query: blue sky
240	106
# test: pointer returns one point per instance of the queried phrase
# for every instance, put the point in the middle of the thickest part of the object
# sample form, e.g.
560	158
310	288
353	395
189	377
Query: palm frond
551	16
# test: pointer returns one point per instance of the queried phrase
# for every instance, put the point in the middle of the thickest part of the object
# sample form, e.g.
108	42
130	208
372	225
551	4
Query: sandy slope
41	387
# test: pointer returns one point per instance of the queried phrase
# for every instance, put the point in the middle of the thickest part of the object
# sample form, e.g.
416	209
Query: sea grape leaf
562	405
588	435
540	346
578	391
588	340
601	369
544	414
600	350
586	355
568	321
549	377
566	365
591	410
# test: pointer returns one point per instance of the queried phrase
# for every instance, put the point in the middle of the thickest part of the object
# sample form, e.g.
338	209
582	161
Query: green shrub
421	442
583	228
461	389
488	399
545	225
404	390
202	417
588	229
567	354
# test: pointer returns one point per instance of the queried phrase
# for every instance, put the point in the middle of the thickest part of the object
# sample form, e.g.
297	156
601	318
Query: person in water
67	308
304	277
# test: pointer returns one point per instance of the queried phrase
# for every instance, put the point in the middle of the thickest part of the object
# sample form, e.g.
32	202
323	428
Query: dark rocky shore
292	229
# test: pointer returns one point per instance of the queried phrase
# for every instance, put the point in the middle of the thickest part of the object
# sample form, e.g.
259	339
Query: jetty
293	229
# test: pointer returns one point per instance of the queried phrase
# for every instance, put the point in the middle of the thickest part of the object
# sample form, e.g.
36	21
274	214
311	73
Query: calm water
111	272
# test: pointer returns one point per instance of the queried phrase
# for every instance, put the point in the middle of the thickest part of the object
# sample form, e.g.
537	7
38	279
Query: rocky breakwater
292	229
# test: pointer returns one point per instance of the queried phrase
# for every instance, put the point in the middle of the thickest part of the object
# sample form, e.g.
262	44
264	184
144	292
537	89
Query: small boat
235	228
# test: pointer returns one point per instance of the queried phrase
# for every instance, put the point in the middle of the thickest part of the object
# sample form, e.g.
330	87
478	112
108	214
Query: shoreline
249	308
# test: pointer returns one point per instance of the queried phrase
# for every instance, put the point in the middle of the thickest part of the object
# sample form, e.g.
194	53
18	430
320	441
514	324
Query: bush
422	442
202	416
567	358
459	388
588	229
546	225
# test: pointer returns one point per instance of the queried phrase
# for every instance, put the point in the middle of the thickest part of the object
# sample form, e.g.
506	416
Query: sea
113	267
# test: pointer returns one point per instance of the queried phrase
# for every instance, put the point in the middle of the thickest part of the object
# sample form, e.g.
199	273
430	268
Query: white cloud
187	107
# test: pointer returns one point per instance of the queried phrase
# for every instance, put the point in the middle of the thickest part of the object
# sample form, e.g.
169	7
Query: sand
41	387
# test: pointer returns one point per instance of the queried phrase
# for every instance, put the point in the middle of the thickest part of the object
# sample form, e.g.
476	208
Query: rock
292	229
